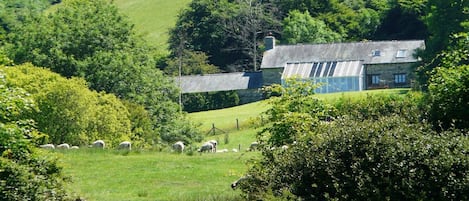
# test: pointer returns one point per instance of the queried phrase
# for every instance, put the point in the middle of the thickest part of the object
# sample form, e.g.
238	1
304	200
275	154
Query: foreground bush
384	159
26	173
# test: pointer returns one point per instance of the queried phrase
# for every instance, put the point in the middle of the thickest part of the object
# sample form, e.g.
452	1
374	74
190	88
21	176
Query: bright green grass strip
153	18
111	175
225	119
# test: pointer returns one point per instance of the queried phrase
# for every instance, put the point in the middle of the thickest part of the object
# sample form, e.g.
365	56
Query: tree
226	31
302	28
92	40
26	172
445	20
448	86
191	63
67	110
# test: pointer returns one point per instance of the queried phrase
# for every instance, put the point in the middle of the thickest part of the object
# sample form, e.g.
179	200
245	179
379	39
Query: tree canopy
94	41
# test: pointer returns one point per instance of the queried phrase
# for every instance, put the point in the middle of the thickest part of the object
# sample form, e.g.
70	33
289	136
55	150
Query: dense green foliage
227	31
92	40
379	147
26	173
384	159
195	102
302	28
68	111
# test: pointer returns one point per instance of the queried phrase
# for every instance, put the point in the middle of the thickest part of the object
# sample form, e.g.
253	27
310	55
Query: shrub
26	173
448	97
384	159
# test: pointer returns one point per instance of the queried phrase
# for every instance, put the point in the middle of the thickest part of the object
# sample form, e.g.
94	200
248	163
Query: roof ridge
353	42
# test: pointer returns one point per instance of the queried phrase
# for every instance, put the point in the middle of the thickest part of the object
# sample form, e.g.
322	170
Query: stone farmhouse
340	67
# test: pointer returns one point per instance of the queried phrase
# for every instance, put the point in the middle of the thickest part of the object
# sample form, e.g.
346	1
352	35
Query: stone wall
386	73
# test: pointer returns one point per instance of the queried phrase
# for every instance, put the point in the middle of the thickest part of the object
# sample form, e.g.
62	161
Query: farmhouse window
375	79
376	53
400	78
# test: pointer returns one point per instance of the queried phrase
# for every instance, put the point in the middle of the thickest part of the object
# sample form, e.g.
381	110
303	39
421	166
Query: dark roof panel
221	82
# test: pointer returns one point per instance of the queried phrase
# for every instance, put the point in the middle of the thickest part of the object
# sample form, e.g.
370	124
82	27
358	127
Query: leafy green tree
296	101
68	111
302	28
403	21
26	172
446	21
91	39
448	86
352	20
191	63
227	31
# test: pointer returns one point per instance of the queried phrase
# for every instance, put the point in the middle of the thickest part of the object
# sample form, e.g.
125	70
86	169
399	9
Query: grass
225	119
143	175
153	18
112	175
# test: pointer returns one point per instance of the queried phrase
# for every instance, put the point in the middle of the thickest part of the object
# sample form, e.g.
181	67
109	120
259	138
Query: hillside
152	18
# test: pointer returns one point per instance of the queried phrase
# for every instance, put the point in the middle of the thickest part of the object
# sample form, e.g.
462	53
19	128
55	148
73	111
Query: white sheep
236	183
214	143
206	147
63	146
47	146
178	146
222	151
253	146
125	145
74	147
98	144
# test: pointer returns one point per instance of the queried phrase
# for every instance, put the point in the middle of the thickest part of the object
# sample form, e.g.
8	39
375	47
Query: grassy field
152	18
112	175
101	175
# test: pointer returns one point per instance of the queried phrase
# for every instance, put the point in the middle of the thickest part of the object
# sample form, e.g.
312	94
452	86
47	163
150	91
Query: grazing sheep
47	146
234	150
236	183
74	147
284	147
222	151
206	147
98	144
125	145
63	146
253	146
178	146
214	143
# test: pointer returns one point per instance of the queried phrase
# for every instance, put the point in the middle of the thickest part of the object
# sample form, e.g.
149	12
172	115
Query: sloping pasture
101	175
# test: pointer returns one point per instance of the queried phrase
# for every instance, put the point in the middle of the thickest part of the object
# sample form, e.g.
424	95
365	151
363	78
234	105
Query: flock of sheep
126	145
209	146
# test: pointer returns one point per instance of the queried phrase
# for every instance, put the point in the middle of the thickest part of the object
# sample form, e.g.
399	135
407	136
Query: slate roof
387	51
221	82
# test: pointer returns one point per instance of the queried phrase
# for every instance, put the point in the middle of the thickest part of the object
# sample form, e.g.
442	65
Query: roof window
376	53
401	53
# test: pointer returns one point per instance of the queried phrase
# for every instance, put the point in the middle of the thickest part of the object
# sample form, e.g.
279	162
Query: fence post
213	128
237	124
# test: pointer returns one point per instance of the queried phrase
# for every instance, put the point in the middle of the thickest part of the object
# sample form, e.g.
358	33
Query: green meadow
101	175
154	18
